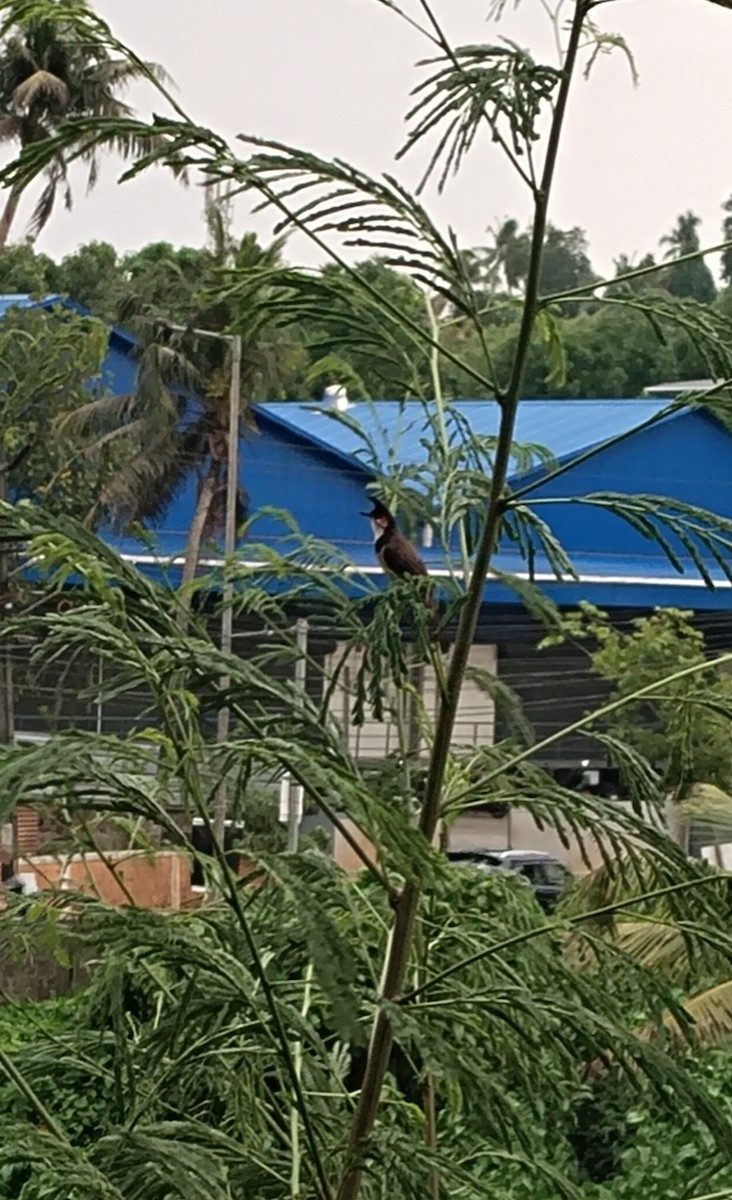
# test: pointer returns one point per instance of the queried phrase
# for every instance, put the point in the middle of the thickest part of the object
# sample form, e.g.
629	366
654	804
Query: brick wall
159	881
27	831
162	881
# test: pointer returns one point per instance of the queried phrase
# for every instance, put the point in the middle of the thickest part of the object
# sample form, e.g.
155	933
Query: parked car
544	874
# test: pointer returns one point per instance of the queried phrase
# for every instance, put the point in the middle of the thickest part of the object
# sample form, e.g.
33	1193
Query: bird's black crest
378	511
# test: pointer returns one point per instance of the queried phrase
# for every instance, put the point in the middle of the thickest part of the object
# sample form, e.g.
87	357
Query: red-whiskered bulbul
397	555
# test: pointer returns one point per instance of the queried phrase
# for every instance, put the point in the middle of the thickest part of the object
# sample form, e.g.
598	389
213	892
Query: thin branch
418	333
404	924
304	782
107	862
674	406
25	1089
179	743
552	926
369	863
496	135
586	289
409	20
597	715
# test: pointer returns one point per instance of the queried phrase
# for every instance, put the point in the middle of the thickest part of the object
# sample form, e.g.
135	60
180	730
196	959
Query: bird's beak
365	514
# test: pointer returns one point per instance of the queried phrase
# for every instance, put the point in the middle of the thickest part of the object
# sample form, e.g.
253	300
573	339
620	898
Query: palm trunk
676	822
8	215
193	547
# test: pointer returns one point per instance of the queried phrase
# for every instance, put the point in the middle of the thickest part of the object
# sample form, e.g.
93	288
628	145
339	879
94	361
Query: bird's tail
438	635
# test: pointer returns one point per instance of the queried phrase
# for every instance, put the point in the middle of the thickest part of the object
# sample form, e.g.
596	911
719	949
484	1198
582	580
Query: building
307	460
683	456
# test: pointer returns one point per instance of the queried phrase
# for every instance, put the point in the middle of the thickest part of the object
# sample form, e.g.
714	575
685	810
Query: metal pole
100	705
296	795
227	614
7	690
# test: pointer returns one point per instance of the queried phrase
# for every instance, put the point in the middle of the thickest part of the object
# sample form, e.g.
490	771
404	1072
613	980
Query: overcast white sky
334	76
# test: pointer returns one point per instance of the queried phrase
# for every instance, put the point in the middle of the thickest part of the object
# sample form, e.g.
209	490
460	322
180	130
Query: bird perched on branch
395	552
398	556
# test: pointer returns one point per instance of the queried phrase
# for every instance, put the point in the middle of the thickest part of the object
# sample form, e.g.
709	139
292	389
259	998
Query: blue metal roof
314	465
397	430
607	581
20	300
10	300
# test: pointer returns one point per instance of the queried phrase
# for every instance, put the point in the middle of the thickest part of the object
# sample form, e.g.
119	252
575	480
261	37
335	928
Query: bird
399	557
395	552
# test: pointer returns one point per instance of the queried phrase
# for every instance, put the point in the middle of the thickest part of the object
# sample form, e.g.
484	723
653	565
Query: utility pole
292	794
227	613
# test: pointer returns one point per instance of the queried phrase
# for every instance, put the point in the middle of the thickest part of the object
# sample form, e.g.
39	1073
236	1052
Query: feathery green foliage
416	1026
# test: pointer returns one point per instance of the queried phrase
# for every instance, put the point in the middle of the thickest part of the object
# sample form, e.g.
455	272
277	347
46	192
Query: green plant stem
430	1133
7	691
301	778
418	334
586	290
177	733
441	40
407	906
107	862
15	1077
294	1115
429	1100
586	455
440	407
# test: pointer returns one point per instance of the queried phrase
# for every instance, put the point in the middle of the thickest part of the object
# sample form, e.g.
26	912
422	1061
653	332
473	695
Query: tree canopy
49	75
611	349
49	361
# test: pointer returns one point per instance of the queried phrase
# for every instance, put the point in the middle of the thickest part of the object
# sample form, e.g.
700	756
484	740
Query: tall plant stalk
402	940
317	760
295	1188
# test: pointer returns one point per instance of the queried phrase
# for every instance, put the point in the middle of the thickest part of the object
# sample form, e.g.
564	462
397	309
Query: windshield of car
468	858
544	874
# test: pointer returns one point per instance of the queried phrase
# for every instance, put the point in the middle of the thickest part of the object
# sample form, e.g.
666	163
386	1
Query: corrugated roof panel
14	300
396	431
608	582
23	300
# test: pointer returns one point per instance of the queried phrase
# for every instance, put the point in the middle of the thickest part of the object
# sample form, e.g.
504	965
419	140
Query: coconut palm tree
660	935
684	237
48	75
176	421
690	278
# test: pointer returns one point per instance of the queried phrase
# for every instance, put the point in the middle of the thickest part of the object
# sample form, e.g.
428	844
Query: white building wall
374	740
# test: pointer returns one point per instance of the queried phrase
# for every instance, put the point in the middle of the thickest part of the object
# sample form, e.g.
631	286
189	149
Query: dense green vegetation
417	1030
160	1078
610	350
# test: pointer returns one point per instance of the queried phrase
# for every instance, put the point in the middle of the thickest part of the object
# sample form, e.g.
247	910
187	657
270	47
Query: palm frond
680	952
687	535
47	200
372	213
708	803
712	1014
41	85
111	73
500	86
